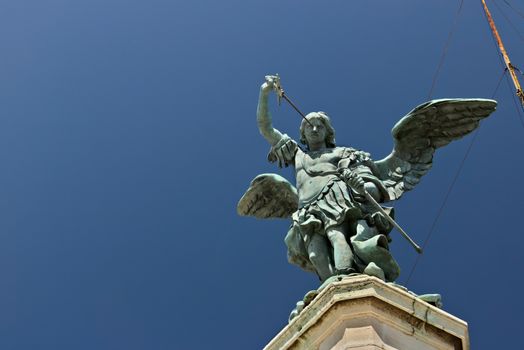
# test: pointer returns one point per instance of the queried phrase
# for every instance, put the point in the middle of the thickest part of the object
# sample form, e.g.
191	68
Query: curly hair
324	118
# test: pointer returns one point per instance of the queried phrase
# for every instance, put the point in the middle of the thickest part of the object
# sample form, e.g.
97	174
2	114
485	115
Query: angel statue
338	227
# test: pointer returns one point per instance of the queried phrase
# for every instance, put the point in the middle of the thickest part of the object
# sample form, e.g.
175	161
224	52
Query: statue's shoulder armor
284	151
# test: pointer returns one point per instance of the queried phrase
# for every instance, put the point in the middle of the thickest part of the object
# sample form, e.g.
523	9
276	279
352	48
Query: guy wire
437	72
451	186
514	9
445	50
509	21
459	170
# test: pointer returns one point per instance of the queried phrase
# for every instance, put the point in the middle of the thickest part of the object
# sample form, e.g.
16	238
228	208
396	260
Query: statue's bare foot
373	270
432	299
308	298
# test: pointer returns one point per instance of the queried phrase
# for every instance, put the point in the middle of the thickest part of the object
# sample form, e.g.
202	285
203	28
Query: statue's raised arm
283	148
265	125
271	195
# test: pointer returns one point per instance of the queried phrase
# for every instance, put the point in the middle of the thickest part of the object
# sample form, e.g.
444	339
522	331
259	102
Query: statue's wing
269	196
429	126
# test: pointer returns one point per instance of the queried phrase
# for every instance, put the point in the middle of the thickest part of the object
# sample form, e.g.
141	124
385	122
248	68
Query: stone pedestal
363	312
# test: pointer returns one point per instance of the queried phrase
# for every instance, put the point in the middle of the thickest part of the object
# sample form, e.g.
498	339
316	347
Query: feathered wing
269	196
427	127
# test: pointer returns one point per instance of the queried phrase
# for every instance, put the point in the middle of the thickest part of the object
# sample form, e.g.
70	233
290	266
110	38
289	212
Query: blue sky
128	135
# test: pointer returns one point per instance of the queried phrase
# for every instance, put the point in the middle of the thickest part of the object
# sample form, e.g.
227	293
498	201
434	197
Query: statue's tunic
325	201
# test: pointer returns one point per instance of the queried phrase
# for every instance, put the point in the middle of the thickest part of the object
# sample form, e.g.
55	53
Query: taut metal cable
514	9
459	170
439	66
509	21
451	186
445	50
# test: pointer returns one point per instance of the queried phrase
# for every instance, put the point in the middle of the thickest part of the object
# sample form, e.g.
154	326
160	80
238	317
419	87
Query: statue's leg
342	253
318	252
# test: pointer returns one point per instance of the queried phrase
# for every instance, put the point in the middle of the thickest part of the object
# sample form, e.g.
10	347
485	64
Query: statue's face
316	132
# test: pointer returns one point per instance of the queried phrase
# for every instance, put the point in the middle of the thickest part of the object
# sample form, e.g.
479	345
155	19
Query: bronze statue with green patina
338	226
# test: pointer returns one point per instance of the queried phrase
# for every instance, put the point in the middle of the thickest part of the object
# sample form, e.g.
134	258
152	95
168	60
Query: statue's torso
314	170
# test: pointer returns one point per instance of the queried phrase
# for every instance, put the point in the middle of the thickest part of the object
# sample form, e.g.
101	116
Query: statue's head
321	128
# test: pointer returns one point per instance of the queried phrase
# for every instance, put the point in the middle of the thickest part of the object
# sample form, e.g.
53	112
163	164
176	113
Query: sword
282	95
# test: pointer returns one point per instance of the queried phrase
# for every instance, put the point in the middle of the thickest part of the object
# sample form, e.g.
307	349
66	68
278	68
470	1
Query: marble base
363	312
